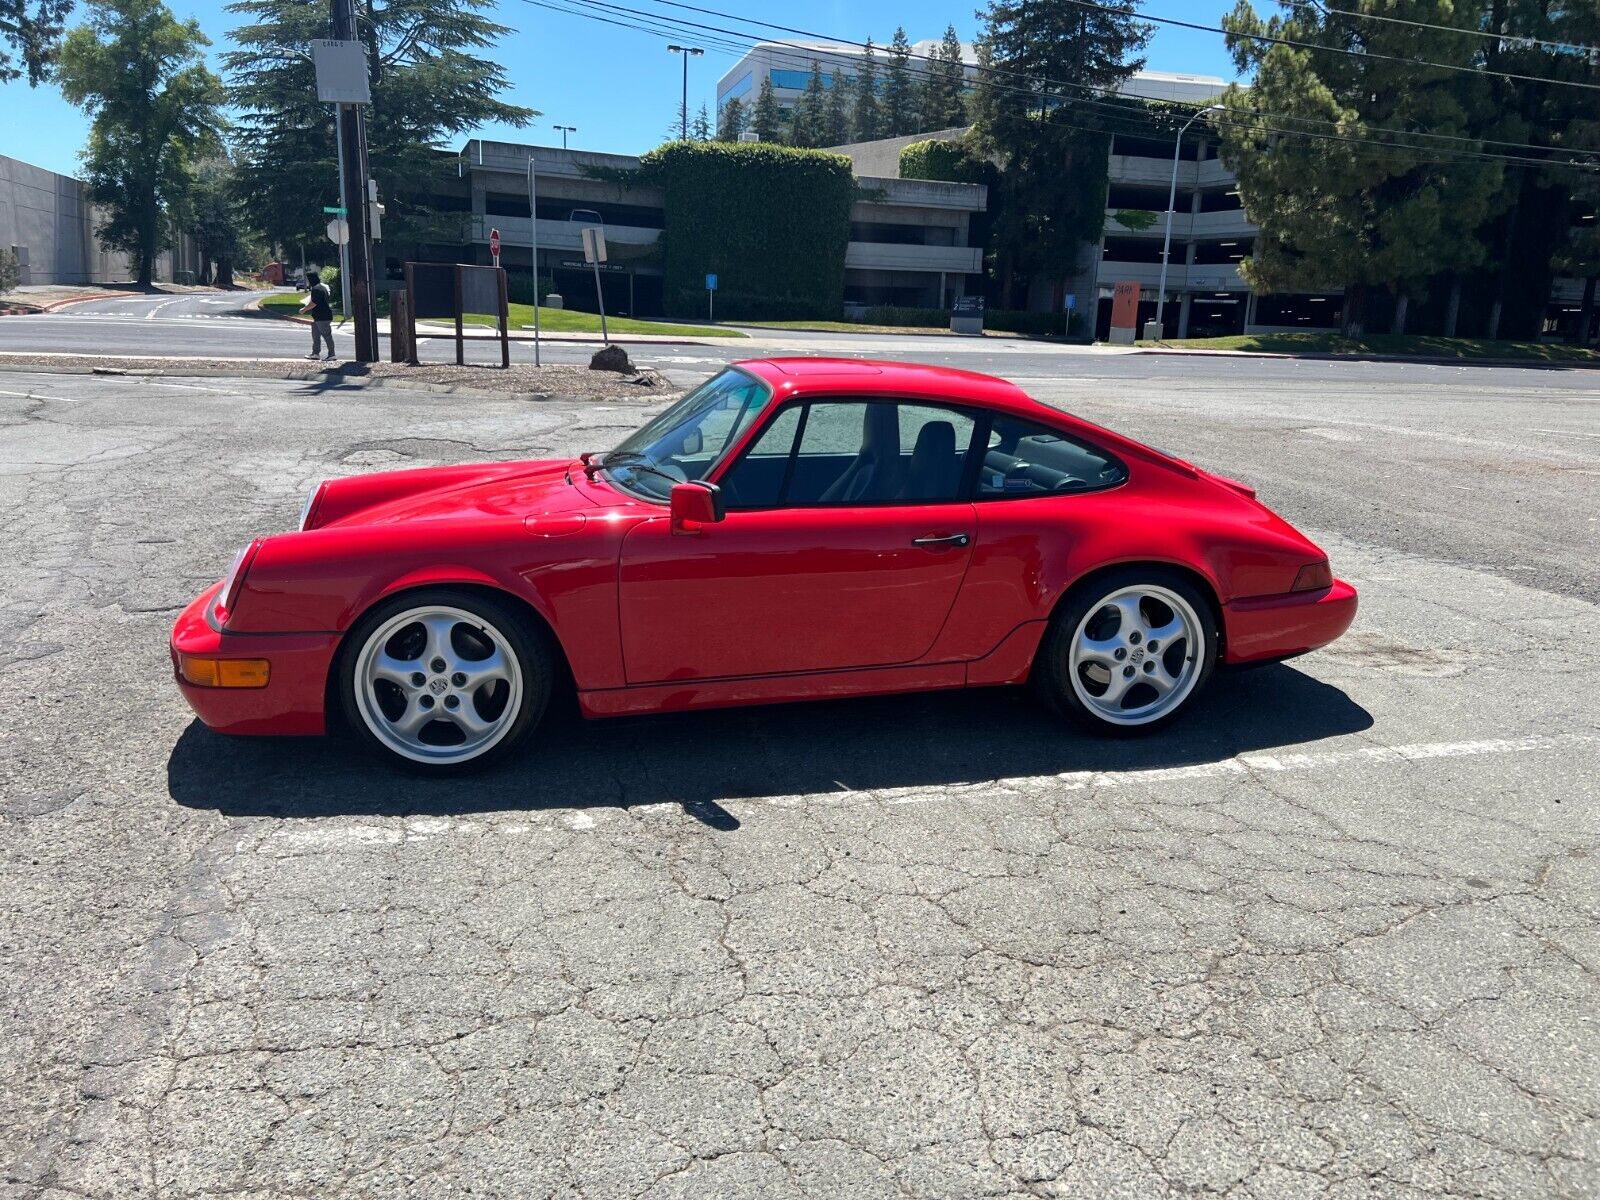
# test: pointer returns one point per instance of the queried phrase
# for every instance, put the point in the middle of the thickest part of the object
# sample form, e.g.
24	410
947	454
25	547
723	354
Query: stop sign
494	242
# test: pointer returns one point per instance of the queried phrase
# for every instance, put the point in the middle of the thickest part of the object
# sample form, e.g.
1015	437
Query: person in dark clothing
319	303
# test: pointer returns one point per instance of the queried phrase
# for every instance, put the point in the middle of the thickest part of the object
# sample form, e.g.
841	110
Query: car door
845	543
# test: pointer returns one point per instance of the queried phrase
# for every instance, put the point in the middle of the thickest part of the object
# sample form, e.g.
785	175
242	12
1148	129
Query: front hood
482	491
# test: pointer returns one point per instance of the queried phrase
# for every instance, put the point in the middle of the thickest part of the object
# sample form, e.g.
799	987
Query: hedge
1031	324
772	222
946	161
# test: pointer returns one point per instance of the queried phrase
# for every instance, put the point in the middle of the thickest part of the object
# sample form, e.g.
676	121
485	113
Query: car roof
873	377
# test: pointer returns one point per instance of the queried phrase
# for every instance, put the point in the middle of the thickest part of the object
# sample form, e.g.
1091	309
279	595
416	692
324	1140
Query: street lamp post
565	129
1172	203
686	51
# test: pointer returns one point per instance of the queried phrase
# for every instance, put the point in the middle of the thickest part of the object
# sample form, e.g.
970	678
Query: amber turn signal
1314	577
224	672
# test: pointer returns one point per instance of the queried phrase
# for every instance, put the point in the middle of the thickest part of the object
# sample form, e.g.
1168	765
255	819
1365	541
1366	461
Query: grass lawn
551	320
567	320
1384	343
845	327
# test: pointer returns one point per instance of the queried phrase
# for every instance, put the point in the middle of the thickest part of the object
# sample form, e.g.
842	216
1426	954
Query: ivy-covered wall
772	222
945	160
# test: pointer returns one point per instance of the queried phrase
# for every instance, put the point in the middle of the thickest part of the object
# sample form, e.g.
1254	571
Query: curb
1424	360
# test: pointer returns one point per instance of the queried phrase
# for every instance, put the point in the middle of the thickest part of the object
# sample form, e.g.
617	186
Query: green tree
1034	58
900	89
944	104
155	111
866	120
768	118
811	112
435	77
1358	210
836	116
31	31
215	219
700	127
731	121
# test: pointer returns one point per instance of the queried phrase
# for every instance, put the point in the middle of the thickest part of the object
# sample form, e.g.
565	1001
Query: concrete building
788	66
48	221
910	239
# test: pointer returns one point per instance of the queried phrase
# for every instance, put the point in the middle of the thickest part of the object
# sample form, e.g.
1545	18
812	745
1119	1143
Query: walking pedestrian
319	303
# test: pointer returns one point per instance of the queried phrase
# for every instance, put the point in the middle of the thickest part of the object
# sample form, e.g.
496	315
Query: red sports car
792	529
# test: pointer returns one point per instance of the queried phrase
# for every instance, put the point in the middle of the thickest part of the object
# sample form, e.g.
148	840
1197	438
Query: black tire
485	617
1052	671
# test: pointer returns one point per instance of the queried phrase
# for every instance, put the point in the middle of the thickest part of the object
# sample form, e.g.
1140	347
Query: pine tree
767	120
435	77
700	127
865	119
1344	211
944	93
731	121
836	117
900	92
1053	160
811	111
156	112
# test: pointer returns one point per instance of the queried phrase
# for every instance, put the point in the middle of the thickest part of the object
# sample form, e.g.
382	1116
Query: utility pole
687	52
357	284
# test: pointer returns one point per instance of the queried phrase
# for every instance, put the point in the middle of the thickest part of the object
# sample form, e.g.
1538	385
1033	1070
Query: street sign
338	231
711	282
494	246
594	244
1072	301
335	210
341	68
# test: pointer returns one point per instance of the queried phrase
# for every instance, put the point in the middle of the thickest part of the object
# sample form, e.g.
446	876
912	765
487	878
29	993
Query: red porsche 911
792	529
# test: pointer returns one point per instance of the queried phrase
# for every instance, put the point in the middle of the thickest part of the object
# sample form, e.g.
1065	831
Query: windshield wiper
631	459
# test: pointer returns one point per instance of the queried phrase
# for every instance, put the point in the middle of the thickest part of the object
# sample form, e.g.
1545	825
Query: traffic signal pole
358	285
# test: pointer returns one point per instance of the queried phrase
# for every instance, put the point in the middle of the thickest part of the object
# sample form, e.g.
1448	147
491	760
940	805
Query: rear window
1024	459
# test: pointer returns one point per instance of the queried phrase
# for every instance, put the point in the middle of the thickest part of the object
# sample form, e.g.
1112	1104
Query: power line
1033	81
1477	33
1096	98
1348	53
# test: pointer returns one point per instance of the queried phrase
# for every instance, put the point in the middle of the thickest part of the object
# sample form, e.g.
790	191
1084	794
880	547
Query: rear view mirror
693	443
695	505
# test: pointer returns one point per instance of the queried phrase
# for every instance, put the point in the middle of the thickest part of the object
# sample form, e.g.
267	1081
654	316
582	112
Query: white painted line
292	839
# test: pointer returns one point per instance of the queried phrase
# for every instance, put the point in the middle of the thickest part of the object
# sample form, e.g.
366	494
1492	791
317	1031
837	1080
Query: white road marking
294	839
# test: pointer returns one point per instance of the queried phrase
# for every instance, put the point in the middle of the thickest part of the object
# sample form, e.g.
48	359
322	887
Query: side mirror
693	443
695	505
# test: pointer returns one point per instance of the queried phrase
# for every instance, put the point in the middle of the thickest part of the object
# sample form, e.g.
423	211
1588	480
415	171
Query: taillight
1313	577
233	581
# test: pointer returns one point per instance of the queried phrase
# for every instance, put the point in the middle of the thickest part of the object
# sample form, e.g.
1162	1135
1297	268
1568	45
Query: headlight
308	510
233	581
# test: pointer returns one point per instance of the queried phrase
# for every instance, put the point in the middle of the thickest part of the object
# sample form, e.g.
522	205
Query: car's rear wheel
444	680
1128	652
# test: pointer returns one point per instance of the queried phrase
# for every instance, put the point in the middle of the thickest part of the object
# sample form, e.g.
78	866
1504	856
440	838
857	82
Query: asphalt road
1334	936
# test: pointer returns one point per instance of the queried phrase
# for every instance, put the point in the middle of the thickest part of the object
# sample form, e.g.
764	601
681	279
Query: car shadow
700	760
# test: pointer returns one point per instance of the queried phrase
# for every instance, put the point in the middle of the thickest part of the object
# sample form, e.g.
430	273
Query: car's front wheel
1129	651
443	680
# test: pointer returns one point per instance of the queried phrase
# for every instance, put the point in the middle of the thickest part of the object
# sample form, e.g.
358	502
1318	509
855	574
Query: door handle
950	539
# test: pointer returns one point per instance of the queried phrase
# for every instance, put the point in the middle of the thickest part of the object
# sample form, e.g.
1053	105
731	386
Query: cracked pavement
1336	935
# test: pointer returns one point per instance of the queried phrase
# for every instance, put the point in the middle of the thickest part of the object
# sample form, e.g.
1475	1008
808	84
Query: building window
1222	254
797	80
1300	311
1137	250
739	88
1228	201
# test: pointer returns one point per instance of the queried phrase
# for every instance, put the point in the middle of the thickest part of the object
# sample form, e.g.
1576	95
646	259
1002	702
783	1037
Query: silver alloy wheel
1137	655
438	685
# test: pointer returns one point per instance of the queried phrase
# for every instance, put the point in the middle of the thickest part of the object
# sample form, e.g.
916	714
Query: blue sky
620	87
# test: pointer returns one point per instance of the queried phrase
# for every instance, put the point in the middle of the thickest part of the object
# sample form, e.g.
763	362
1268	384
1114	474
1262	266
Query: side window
756	480
1024	459
853	452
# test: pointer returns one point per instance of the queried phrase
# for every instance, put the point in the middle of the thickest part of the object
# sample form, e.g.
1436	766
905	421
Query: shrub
520	288
887	314
10	272
773	222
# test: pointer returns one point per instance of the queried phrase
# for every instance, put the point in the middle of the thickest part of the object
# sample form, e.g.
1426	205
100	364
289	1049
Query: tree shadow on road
700	759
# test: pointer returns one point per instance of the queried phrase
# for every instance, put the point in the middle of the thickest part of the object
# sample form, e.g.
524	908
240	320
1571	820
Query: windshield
690	438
